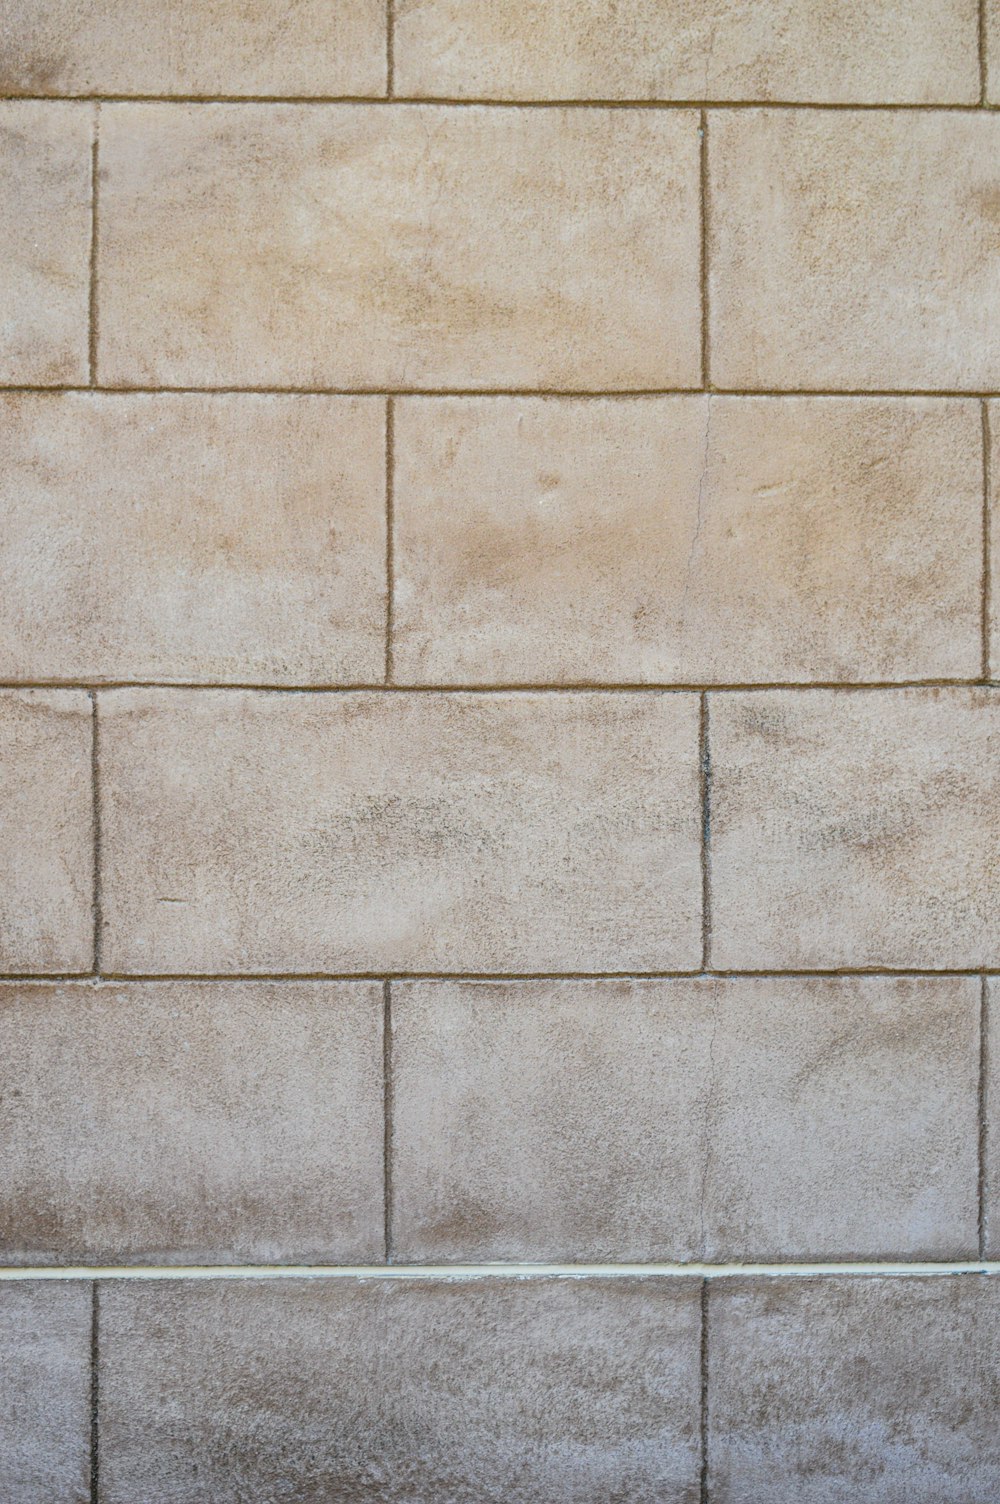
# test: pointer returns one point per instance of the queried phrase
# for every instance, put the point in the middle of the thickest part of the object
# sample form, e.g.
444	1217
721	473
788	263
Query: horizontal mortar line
459	1272
104	978
541	688
576	394
950	107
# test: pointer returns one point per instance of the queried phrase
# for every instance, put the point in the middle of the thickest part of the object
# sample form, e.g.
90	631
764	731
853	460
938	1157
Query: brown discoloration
201	47
820	50
46	855
670	1120
825	1391
45	1414
355	245
44	241
856	830
368	832
502	1391
188	1123
199	538
865	231
686	539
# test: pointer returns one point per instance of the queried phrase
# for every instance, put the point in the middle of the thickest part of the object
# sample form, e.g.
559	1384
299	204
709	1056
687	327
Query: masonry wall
499	762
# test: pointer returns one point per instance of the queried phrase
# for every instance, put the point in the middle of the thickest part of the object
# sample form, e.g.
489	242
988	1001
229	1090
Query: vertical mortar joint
390	49
703	1408
95	1480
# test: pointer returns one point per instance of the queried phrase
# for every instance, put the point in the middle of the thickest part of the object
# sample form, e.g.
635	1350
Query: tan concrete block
788	1118
200	47
354	245
192	537
503	1391
855	829
191	1123
46	831
413	832
852	249
825	1391
45	168
818	50
687	539
45	1414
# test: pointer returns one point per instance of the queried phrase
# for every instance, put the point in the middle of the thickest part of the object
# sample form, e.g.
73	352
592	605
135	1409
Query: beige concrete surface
686	539
46	831
352	245
387	1392
369	832
806	50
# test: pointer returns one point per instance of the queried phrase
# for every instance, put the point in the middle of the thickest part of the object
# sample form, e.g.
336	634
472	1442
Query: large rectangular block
46	831
854	250
883	52
200	47
413	832
789	1118
687	539
827	1391
45	1414
533	1391
855	828
192	537
191	1123
360	246
45	169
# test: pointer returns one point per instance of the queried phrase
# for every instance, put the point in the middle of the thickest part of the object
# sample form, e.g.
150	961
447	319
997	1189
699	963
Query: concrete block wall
499	752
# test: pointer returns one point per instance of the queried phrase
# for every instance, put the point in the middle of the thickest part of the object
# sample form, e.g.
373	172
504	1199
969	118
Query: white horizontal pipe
493	1271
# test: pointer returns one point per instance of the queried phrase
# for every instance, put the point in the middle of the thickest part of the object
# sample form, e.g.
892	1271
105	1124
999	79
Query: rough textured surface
991	1121
510	1391
513	550
357	245
45	1412
670	1120
992	438
830	1391
681	49
857	829
200	47
253	529
403	832
44	241
191	1122
873	234
46	831
686	539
